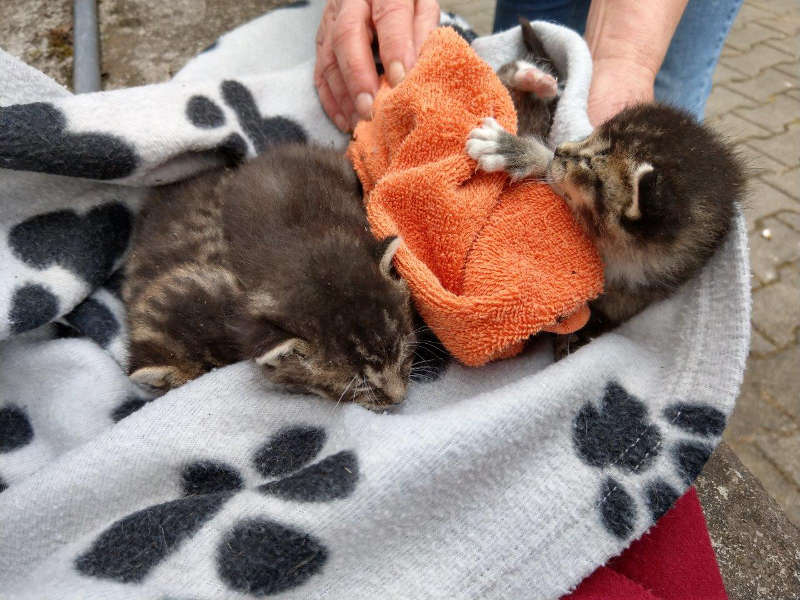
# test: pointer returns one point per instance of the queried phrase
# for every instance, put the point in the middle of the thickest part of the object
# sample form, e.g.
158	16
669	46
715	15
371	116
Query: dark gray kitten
653	188
275	262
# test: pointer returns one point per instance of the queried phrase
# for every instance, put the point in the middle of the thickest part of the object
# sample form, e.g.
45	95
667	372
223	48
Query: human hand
617	83
344	74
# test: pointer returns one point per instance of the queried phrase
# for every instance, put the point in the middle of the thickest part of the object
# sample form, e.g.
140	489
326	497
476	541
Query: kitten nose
560	152
395	388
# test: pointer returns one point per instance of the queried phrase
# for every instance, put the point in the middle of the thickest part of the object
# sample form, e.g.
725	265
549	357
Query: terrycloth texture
488	265
672	561
515	480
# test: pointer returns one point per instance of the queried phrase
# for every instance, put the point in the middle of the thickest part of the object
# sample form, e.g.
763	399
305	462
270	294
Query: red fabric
673	561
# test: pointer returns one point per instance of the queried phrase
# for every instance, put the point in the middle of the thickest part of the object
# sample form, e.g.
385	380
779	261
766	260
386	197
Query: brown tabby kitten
274	262
654	189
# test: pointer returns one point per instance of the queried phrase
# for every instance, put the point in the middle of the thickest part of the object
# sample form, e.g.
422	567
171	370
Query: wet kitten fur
274	262
654	189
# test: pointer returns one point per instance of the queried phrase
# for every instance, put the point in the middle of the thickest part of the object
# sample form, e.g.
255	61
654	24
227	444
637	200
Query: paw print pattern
617	433
32	305
90	155
261	556
257	555
94	320
461	27
87	245
129	406
16	430
262	132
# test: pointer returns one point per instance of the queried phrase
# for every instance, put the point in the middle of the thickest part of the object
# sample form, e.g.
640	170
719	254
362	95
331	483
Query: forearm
637	32
628	40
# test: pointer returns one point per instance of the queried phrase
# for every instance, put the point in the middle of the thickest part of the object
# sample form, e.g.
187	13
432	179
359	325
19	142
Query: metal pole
86	47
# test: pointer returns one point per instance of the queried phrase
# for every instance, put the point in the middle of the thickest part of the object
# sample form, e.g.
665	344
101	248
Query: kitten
274	262
654	189
534	84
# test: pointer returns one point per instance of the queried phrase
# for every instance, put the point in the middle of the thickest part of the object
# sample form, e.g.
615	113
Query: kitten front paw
529	78
484	145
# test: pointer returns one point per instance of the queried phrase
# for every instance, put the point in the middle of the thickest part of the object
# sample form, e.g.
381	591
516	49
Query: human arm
628	40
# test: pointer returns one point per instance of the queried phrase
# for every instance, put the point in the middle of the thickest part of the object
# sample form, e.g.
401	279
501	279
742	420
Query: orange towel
488	264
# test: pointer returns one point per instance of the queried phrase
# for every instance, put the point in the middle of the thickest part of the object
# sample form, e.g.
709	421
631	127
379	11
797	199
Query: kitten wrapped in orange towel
489	264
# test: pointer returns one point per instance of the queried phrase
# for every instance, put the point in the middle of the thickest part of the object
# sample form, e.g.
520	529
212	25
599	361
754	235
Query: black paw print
16	432
15	428
257	556
92	319
263	132
34	139
87	245
461	27
619	434
129	406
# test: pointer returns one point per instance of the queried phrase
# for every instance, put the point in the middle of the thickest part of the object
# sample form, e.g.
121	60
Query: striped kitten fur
274	262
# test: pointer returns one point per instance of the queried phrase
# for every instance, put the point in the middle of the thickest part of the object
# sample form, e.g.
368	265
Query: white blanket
515	480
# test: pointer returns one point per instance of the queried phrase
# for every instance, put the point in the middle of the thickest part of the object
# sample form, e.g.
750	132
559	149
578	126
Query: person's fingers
326	60
336	83
352	45
331	106
426	19
394	23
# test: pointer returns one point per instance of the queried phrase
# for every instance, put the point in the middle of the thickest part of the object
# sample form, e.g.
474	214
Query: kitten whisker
345	391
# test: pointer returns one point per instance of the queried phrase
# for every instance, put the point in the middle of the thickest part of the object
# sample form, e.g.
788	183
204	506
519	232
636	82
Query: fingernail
354	120
341	122
396	73
364	105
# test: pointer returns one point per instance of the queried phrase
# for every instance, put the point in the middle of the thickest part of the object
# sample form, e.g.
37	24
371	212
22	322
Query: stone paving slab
788	181
40	35
765	200
779	327
775	115
755	59
757	548
775	247
766	84
783	147
724	100
175	31
752	33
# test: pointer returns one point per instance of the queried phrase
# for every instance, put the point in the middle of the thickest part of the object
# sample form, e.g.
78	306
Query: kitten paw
529	78
483	145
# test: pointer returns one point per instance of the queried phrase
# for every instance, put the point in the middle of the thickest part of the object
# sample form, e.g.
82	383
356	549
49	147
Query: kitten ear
388	248
641	178
273	356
